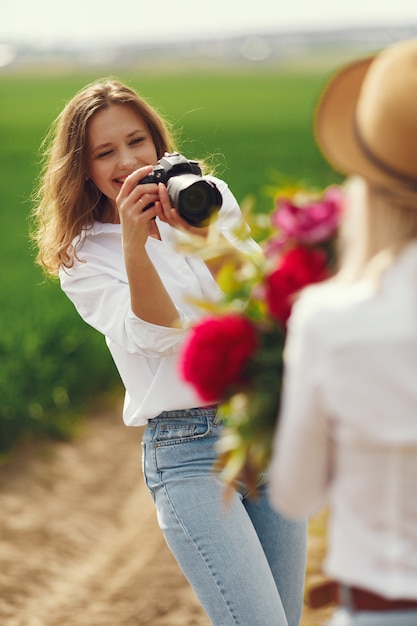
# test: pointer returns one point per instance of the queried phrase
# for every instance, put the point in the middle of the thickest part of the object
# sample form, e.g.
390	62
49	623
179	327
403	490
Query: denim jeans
344	617
244	561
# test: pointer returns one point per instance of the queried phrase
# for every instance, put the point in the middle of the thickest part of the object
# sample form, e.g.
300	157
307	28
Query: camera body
172	165
194	196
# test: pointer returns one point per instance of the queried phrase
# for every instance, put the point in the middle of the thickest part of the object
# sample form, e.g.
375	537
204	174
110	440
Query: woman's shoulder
94	233
333	296
101	228
331	308
338	296
97	246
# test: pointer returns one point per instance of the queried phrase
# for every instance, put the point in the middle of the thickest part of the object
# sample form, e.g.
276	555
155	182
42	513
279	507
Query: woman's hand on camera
136	206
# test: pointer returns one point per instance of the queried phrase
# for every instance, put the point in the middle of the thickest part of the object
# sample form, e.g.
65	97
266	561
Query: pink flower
309	223
215	354
298	268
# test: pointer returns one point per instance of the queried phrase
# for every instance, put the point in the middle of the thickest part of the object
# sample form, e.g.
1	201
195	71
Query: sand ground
79	541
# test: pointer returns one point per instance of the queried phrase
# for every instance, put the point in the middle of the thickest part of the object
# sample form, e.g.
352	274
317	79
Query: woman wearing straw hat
348	426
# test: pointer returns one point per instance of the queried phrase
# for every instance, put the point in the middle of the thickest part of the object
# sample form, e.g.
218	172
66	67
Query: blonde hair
66	202
379	223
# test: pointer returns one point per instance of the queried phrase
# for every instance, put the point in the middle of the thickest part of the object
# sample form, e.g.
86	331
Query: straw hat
366	118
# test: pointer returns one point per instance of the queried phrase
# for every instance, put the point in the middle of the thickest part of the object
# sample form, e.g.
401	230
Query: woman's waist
192	413
382	559
356	598
181	426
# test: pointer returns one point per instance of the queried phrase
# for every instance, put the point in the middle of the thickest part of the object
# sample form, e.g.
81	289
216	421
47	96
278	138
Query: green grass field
252	124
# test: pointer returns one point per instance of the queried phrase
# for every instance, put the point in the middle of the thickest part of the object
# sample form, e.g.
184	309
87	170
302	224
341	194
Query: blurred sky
47	22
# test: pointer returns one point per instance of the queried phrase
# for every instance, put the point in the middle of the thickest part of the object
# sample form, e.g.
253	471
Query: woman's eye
136	140
101	155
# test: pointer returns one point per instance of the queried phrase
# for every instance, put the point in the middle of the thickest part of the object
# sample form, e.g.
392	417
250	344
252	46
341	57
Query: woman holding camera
112	242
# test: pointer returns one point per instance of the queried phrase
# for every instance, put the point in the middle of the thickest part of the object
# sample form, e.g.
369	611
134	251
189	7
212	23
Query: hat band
409	181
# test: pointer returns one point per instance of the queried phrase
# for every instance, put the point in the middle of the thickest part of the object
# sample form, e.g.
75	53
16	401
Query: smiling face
119	142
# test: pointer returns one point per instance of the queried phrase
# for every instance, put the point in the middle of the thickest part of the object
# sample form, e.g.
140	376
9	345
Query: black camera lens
196	203
196	199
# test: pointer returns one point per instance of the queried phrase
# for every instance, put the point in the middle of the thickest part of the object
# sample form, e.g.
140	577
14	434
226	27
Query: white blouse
347	434
145	354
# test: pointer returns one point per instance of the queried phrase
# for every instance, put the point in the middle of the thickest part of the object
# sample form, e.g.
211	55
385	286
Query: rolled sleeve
103	301
154	341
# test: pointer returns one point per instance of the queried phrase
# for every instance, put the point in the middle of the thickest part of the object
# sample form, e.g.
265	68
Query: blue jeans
344	617
244	561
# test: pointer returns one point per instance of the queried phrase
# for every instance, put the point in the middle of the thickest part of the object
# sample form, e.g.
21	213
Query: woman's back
359	405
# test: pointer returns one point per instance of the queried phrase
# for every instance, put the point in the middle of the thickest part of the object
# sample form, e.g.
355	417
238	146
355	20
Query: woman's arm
300	469
149	299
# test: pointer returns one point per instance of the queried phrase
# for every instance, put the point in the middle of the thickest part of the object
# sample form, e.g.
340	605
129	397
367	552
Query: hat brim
334	124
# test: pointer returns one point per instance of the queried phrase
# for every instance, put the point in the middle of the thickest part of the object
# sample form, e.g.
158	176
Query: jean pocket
178	431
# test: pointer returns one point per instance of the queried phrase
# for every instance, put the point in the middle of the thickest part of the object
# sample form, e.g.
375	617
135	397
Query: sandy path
79	542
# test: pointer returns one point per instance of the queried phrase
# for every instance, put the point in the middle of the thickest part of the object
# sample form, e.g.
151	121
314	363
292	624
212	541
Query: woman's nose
126	159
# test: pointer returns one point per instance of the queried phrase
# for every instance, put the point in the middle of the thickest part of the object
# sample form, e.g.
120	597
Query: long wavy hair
65	201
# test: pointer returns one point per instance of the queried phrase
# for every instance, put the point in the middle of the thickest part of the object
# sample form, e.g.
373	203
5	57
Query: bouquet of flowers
234	355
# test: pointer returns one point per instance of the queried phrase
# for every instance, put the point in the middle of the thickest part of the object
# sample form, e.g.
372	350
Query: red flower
299	267
215	354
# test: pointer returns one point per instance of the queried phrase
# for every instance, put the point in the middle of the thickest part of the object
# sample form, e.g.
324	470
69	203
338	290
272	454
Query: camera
195	196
